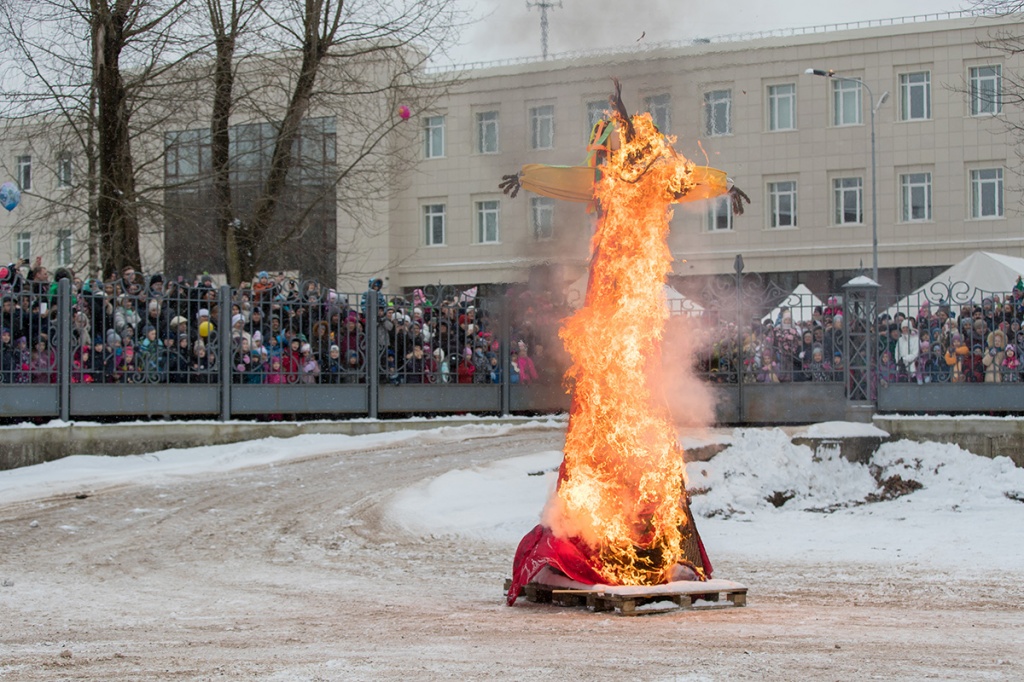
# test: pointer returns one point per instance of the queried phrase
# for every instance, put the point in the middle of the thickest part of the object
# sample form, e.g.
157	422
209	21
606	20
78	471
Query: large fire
623	473
619	515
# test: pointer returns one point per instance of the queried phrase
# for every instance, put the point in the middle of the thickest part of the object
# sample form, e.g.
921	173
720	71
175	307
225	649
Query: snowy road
294	571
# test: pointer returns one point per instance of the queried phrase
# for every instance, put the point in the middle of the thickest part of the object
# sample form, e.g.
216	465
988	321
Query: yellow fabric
569	183
576	183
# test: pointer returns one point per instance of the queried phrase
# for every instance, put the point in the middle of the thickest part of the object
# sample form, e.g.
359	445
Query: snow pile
952	477
763	470
497	502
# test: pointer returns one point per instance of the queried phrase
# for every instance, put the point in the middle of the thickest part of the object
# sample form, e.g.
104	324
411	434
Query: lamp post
874	182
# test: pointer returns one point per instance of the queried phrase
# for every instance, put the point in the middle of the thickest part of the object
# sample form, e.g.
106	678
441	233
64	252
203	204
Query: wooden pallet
633	601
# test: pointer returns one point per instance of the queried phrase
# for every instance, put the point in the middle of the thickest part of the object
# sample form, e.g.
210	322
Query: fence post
860	347
505	334
737	266
372	352
224	350
64	352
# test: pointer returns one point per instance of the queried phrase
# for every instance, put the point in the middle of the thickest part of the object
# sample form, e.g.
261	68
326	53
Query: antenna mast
544	6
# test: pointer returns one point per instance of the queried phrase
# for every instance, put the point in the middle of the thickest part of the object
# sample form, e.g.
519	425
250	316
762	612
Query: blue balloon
10	195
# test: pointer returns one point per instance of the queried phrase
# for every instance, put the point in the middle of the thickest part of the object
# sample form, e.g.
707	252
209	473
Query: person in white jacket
908	347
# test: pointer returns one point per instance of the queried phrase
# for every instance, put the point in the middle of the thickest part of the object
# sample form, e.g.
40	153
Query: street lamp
874	182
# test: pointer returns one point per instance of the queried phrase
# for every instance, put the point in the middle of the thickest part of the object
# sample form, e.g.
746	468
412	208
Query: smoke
507	29
690	399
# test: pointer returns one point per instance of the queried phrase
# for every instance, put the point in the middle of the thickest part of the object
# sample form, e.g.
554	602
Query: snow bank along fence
61	366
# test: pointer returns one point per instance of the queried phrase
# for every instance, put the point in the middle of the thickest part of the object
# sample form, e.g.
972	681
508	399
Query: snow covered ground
381	557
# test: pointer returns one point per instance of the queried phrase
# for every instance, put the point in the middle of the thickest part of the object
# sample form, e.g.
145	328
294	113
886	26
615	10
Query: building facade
798	144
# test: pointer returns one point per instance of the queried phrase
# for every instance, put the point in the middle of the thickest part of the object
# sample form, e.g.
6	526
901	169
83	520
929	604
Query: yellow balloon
205	328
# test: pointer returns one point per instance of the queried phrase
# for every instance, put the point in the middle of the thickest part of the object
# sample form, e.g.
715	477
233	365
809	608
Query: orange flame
623	473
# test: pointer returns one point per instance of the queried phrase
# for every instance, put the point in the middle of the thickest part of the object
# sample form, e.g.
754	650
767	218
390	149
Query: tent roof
978	275
801	303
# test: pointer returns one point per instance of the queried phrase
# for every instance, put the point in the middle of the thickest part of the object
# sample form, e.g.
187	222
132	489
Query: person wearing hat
973	365
1010	368
309	367
908	348
179	359
333	366
375	285
957	354
9	357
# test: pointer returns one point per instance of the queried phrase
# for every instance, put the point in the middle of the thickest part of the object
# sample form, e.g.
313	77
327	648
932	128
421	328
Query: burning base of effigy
619	515
550	587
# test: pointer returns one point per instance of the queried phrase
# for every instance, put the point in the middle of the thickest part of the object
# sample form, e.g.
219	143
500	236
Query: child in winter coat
1010	369
886	368
956	357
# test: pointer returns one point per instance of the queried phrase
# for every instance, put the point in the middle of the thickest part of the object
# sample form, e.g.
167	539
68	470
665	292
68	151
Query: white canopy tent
978	275
801	303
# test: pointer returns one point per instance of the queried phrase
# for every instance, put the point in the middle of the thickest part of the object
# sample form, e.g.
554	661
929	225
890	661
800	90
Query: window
433	137
542	215
23	245
487	132
595	112
719	216
660	107
487	222
65	170
848	200
782	107
718	112
986	90
542	127
25	173
782	203
916	196
845	103
433	224
915	96
63	247
987	193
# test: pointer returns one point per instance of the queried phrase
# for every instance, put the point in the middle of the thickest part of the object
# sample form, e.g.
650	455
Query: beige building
798	144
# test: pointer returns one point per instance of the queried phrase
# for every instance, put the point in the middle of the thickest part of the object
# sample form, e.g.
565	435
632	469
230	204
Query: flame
623	473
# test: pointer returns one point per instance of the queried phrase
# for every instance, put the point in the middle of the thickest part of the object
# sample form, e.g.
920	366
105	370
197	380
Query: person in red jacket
466	367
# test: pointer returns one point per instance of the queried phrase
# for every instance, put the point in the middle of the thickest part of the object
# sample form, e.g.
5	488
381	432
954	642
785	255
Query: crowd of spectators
942	343
135	328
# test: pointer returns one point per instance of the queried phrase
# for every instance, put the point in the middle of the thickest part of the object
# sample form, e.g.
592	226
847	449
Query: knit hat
237	319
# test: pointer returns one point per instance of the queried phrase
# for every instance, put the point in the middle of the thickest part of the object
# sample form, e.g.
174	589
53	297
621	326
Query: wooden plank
630	604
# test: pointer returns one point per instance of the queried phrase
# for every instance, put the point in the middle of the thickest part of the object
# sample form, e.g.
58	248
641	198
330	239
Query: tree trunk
220	141
115	206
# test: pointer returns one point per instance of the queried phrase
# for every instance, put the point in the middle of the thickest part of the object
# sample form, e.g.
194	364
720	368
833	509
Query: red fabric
540	548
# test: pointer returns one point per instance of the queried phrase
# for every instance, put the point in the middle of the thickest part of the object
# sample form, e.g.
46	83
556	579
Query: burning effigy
619	514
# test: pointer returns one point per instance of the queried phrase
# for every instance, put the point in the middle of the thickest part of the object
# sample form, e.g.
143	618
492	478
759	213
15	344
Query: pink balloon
404	112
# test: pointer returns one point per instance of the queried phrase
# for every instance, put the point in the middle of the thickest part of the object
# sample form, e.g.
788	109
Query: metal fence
770	355
301	351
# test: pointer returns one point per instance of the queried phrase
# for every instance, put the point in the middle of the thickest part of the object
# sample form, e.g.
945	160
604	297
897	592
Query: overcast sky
506	28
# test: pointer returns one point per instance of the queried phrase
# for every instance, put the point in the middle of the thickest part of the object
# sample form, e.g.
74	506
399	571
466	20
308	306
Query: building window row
487	221
985	98
62	253
915	200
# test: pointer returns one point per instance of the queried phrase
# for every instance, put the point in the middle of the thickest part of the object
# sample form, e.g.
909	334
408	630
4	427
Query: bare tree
79	72
356	59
